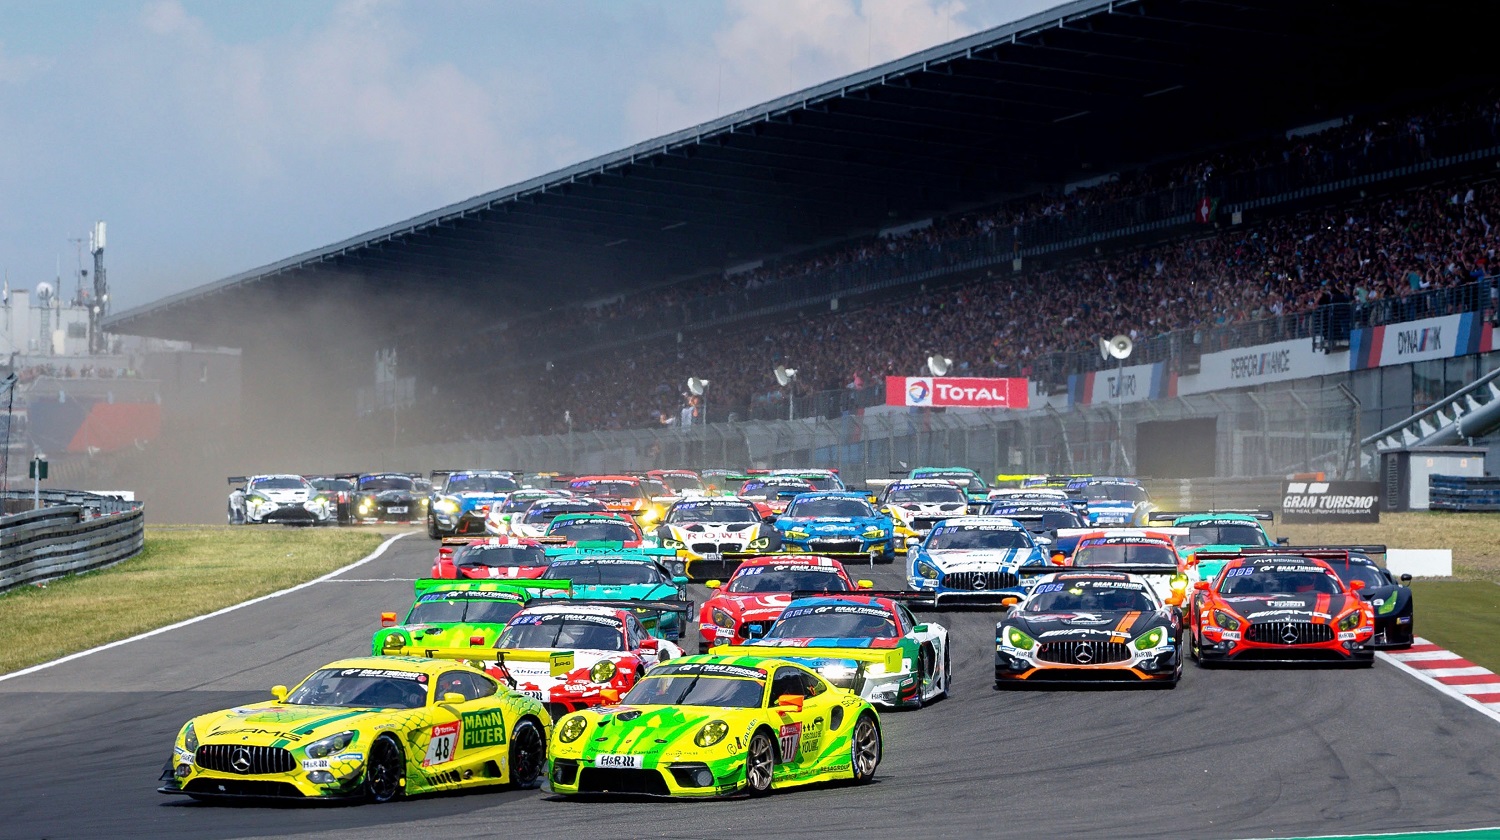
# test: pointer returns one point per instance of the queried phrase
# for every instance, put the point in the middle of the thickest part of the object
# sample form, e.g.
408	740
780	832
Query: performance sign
1307	502
956	392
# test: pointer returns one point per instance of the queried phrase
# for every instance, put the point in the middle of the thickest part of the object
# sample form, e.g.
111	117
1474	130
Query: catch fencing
41	545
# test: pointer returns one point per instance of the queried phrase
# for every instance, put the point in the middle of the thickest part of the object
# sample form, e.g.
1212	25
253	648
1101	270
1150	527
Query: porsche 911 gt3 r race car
377	728
463	503
916	505
836	525
497	520
711	535
975	560
1089	626
867	642
760	589
1280	608
278	498
705	726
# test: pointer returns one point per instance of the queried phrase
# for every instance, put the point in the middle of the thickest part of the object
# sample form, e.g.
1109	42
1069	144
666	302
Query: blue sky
214	137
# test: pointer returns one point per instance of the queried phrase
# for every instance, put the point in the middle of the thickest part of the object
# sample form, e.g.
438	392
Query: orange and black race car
1280	608
1089	626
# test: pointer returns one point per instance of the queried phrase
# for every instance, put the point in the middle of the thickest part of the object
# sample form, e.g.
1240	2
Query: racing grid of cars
567	620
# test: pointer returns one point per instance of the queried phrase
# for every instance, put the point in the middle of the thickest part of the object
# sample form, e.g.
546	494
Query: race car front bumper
657	777
1238	650
1160	664
1392	633
343	779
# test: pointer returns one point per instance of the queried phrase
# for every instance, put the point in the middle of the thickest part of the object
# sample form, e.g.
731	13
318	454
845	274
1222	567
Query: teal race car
605	572
1217	532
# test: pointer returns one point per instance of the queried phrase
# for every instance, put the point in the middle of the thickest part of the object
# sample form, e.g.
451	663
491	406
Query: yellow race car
374	727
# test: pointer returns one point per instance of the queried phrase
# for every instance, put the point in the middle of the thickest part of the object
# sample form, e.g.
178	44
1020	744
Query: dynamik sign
956	392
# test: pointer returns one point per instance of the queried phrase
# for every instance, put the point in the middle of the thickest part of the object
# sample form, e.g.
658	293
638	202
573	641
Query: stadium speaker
784	375
1118	347
938	365
695	386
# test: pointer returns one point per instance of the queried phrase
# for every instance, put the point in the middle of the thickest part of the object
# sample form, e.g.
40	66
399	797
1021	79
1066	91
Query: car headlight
394	641
332	744
927	570
190	738
1179	583
1150	639
1350	621
722	618
572	729
760	542
602	671
796	535
672	544
1226	621
1389	606
366	503
874	533
446	506
712	733
1016	638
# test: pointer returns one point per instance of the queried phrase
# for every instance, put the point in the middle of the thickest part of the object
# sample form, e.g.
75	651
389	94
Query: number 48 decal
440	748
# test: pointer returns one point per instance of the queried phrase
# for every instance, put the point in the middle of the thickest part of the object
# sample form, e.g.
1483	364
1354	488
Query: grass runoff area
1462	613
183	571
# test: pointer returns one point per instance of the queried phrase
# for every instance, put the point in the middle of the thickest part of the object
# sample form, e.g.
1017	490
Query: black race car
1391	597
1089	627
390	497
340	489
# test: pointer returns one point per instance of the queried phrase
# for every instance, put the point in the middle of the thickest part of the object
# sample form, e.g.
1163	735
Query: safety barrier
1467	493
93	504
41	545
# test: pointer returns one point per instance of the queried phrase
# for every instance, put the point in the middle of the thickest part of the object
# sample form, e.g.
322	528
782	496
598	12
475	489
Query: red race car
760	589
490	558
1279	608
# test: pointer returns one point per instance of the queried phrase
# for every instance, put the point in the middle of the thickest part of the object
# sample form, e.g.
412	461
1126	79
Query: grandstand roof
1081	90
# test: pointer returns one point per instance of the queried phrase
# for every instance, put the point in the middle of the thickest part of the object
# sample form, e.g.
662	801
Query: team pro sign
1330	501
956	392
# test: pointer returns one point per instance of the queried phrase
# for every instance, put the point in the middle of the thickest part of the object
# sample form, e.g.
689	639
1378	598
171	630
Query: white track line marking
185	622
1427	676
1425	654
1437	673
1478	688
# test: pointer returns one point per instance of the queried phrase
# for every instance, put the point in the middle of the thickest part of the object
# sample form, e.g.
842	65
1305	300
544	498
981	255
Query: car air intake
245	760
1289	633
1083	652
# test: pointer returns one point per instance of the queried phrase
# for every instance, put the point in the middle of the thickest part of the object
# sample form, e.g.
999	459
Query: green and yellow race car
704	726
374	727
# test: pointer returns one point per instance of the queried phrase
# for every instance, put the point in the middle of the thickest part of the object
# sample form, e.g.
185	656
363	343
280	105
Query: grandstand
1149	167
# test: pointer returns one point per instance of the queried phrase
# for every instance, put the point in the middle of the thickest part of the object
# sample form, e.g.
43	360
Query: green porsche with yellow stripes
705	726
375	728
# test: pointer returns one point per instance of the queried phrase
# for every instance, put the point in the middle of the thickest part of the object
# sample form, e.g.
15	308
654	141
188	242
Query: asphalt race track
1229	753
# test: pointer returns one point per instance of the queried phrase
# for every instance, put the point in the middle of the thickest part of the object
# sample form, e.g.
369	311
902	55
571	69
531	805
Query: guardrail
1466	493
93	504
40	545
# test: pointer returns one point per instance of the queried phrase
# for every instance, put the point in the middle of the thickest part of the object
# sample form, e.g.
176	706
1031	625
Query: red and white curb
1455	676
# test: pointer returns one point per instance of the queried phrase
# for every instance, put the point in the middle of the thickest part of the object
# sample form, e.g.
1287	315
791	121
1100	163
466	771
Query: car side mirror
609	696
793	701
680	580
873	499
387	619
453	697
1057	559
714	584
279	693
920	628
1201	586
864	584
1406	580
1009	602
1283	540
1174	600
884	511
651	645
1356	585
753	632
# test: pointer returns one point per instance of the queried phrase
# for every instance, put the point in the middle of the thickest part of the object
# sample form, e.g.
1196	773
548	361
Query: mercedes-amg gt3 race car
974	560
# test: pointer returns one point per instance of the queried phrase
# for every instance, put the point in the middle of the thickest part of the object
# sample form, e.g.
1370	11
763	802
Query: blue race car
463	502
838	524
975	560
1113	502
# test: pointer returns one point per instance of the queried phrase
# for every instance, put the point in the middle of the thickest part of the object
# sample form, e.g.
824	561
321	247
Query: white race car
917	504
278	498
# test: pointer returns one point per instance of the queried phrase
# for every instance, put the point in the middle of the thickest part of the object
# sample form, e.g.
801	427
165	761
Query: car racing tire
528	754
385	775
760	763
926	666
866	748
432	531
947	669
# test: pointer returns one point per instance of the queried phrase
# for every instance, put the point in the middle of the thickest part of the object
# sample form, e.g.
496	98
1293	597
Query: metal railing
41	545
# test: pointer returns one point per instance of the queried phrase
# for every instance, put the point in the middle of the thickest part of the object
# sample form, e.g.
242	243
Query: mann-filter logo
483	729
1322	501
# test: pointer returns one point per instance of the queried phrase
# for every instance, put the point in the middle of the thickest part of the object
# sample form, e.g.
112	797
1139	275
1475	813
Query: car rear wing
1180	531
888	657
532	588
1167	515
559	662
1314	550
664	605
905	596
1121	568
239	479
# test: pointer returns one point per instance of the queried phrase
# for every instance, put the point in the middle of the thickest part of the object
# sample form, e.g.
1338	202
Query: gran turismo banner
957	392
1312	502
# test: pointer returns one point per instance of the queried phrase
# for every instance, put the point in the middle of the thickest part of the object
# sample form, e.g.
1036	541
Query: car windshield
1089	596
603	530
830	507
604	573
481	484
1350	572
726	512
824	482
385	482
1277	580
774	490
337	485
696	689
1114	493
835	621
370	688
968	482
547	513
1051	518
514	505
783	579
501	556
443	610
1113	554
683	483
928	494
1237	534
611	489
279	484
977	537
563	631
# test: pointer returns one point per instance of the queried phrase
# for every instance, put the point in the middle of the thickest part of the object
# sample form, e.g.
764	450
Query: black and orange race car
1280	607
1089	626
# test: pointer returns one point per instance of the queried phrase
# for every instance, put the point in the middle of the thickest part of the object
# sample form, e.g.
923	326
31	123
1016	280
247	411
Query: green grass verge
1462	616
184	571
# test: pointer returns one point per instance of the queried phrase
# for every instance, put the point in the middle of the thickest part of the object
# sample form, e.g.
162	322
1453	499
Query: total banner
1418	341
957	392
1312	502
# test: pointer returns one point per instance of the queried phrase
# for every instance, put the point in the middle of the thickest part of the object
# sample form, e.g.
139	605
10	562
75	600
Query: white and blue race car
461	505
975	560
